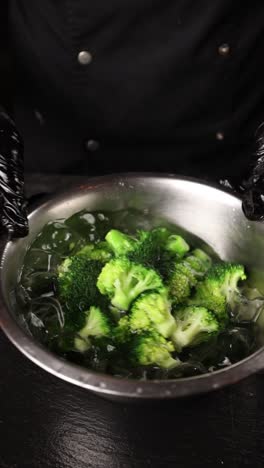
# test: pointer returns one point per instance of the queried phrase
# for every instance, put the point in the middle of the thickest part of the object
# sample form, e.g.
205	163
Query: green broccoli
152	349
97	325
177	245
100	252
122	332
159	235
181	282
123	281
204	258
152	310
150	247
219	291
77	289
199	262
121	244
193	326
148	275
186	274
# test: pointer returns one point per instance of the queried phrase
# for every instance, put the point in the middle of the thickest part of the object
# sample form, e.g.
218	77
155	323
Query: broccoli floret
120	243
122	332
152	310
186	274
193	326
177	245
139	320
150	247
199	262
181	282
100	252
151	251
122	281
219	289
204	258
158	235
152	349
97	325
77	289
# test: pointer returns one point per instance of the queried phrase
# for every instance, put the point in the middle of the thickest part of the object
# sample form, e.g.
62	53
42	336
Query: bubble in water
89	218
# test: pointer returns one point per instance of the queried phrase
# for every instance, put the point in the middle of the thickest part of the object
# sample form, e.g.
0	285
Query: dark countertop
47	423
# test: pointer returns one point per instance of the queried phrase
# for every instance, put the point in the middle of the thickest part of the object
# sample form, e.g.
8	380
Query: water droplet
89	218
226	362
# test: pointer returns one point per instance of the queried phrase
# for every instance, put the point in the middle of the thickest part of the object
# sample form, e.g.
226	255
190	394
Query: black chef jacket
152	85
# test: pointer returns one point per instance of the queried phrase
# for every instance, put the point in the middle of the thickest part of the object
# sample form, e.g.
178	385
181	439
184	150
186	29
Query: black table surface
48	423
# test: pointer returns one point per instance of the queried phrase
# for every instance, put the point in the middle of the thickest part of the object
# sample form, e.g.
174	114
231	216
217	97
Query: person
136	85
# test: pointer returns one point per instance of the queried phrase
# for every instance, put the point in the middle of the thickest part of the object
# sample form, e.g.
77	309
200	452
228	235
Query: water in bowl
43	314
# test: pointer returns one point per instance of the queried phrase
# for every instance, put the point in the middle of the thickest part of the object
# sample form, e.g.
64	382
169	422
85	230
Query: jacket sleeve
6	60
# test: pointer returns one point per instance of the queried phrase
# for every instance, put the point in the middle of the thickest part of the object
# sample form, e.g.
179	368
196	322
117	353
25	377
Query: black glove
13	213
253	187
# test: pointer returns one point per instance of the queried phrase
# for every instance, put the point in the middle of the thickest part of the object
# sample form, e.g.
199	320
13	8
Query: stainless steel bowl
205	211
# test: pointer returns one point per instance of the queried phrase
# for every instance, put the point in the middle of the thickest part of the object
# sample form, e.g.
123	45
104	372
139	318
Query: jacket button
224	49
84	57
219	136
92	145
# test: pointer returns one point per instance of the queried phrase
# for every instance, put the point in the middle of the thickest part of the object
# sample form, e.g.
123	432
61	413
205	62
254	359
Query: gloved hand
253	188
13	213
